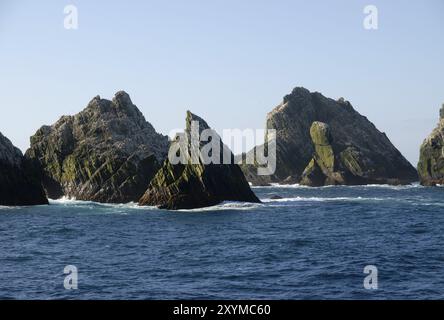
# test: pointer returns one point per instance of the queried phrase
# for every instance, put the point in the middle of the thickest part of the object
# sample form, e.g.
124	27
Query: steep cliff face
106	153
431	158
195	185
292	120
19	184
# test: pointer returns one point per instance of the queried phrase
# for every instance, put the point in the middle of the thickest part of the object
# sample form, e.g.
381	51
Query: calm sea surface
312	244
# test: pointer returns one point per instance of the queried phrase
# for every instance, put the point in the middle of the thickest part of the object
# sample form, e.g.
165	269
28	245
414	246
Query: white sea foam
392	187
225	206
229	205
73	202
277	185
322	199
298	186
6	207
67	200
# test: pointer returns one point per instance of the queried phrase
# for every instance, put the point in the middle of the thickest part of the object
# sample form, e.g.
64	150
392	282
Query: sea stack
431	158
106	153
19	184
305	121
189	185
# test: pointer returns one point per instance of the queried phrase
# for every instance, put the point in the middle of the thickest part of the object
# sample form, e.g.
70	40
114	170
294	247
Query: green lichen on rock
191	185
106	153
321	138
431	158
320	134
351	158
335	164
322	168
19	181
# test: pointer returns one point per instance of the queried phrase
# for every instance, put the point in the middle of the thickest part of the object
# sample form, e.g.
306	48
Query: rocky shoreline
110	153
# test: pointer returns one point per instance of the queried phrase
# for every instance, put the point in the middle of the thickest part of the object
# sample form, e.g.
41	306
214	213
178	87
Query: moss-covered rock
321	137
322	168
19	181
194	185
106	153
431	158
335	164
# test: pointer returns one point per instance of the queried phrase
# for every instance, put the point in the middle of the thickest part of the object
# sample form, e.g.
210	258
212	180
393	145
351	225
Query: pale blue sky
229	61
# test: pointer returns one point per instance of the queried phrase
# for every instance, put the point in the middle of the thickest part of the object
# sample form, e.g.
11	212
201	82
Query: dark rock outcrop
431	158
19	184
353	136
190	185
106	153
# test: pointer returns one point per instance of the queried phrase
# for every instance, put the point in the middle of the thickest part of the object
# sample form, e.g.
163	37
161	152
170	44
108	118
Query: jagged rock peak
8	153
107	153
122	100
194	185
190	117
297	92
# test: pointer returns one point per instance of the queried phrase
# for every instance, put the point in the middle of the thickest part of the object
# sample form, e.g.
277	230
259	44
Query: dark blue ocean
312	244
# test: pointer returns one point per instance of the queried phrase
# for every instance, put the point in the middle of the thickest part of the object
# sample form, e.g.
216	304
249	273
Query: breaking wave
227	205
322	199
70	202
382	186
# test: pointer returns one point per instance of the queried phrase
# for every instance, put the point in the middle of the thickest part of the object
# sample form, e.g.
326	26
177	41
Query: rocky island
321	141
431	158
106	153
19	184
187	185
109	153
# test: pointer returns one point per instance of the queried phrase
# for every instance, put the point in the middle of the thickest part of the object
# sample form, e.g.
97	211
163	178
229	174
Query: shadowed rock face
106	153
19	184
293	118
188	186
431	158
